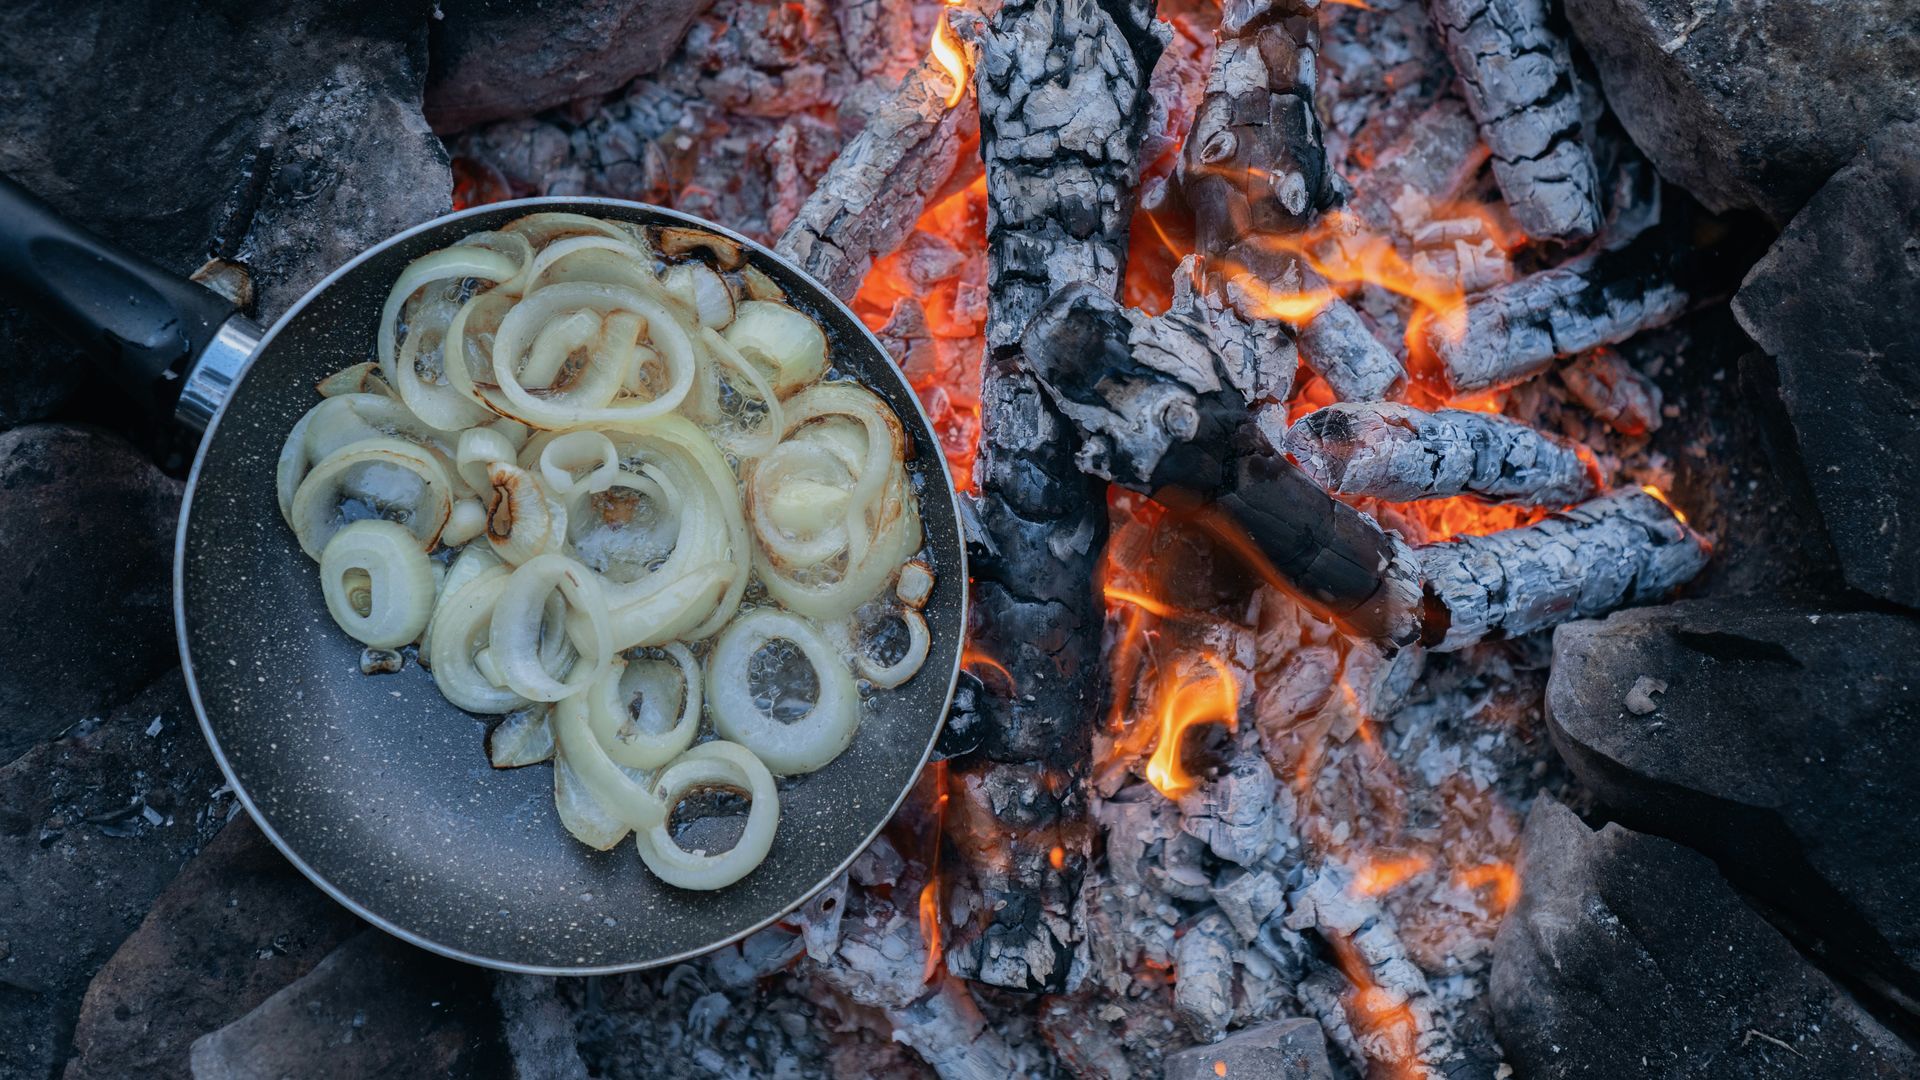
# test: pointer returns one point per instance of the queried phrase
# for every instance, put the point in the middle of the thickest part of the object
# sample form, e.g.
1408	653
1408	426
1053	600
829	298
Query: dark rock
237	925
1752	103
1784	746
376	1008
494	60
89	611
289	134
1294	1049
1833	304
92	826
1629	955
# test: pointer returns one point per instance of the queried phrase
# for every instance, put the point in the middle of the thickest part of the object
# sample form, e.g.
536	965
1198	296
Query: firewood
1400	453
1518	78
1253	169
1513	332
1062	86
1614	390
868	201
1621	549
1203	959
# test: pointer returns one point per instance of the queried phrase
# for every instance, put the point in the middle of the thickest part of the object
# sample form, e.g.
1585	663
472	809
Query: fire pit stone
1293	1049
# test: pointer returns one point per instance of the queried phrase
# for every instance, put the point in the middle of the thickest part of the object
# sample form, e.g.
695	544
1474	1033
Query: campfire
1302	367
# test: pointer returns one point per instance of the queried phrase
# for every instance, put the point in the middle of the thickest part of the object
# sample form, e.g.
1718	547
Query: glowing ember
950	56
1662	496
1384	875
1382	1017
930	892
1057	858
1211	699
978	662
1500	877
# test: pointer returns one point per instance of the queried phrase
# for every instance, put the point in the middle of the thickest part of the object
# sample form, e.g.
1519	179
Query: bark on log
1514	332
1615	391
1518	78
1622	549
1399	453
1254	170
1179	431
868	201
1063	97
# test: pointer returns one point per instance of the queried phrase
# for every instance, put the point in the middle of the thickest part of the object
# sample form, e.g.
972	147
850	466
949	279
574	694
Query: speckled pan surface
381	791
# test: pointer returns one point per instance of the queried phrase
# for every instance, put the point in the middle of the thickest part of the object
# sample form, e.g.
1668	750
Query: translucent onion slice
578	463
468	520
523	323
376	477
523	738
461	628
514	246
524	519
358	379
378	583
889	676
618	795
520	614
702	290
432	399
341	421
473	560
713	764
807	743
740	440
479	450
622	734
788	345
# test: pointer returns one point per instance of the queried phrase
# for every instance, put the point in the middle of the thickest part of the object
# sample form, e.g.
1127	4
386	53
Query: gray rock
1752	103
237	925
376	1008
92	827
88	523
1785	747
289	134
1628	955
1293	1049
497	60
1833	304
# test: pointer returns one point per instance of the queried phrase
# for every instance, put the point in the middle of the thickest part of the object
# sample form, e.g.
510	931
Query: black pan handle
142	323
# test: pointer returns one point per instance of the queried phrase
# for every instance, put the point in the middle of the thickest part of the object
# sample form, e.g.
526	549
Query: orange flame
1378	1013
1341	249
1380	876
1208	700
977	660
1662	496
952	59
930	892
1500	876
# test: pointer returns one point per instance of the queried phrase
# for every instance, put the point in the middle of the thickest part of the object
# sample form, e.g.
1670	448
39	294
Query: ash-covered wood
1254	172
1062	86
1621	549
1614	390
1203	959
1396	452
1513	332
870	198
1518	78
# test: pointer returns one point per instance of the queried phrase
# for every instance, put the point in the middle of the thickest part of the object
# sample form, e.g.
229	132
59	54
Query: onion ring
714	764
805	744
377	582
610	713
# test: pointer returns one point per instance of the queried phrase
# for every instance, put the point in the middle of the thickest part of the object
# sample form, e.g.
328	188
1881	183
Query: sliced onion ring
627	800
461	627
713	764
807	743
521	612
888	676
566	457
315	510
377	565
610	711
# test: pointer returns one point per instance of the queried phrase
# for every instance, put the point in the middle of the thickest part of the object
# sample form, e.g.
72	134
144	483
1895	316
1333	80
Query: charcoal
90	613
1782	742
492	61
375	1007
1840	346
1400	453
236	925
538	1028
1293	1049
1612	389
81	858
1629	955
287	134
1749	103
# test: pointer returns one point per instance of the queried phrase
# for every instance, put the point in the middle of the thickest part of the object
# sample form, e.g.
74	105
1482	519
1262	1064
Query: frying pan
374	786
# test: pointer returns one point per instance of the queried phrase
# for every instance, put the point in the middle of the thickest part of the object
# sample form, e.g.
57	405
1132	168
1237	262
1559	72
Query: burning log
1514	332
1614	391
1400	453
1518	79
870	198
1628	547
1169	423
1063	103
1254	171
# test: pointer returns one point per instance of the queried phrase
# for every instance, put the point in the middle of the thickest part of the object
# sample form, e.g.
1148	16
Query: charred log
1614	390
1254	172
1622	549
870	198
1514	332
1400	453
1179	431
1063	101
1518	78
